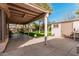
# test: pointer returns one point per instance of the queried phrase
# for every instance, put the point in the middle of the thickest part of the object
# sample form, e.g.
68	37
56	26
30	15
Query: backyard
26	30
29	46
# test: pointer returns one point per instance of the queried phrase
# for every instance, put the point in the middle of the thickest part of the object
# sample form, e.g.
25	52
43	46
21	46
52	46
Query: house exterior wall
67	28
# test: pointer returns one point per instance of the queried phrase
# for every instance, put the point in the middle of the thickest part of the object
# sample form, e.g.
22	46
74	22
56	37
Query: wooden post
45	28
8	31
39	25
3	24
0	25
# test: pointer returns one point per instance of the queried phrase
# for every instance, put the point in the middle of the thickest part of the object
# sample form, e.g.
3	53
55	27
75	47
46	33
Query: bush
34	34
37	34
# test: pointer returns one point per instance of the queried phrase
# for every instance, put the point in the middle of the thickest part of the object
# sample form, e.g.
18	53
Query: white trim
45	29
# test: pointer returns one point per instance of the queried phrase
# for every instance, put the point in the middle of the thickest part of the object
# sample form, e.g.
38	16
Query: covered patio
19	13
12	13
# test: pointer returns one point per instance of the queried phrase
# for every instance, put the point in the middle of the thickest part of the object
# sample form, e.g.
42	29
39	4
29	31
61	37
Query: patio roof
22	13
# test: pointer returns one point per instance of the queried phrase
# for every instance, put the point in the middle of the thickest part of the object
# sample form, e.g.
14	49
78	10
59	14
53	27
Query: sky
62	10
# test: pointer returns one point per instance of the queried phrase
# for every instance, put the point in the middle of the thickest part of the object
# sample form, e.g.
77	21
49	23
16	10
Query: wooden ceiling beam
25	7
25	15
4	6
17	12
21	10
35	18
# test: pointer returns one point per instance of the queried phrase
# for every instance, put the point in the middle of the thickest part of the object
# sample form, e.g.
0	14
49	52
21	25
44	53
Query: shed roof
76	19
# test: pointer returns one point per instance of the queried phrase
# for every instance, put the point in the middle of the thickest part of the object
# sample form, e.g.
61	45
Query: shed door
57	30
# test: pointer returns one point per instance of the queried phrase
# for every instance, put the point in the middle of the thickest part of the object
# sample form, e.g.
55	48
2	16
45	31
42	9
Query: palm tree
77	12
43	6
39	25
46	7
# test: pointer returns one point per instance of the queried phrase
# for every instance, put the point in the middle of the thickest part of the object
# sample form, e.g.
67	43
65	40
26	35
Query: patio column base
45	40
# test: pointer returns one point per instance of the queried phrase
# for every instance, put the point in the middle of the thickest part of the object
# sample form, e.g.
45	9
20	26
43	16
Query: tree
39	25
77	12
44	6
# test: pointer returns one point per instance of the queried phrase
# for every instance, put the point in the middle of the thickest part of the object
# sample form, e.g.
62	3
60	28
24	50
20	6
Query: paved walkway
27	46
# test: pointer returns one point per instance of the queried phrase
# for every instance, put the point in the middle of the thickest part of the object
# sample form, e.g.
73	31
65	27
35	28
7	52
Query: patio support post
45	27
8	30
3	25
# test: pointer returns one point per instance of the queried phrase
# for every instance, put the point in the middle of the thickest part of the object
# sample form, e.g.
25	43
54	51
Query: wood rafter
23	6
5	8
21	10
35	18
23	13
17	12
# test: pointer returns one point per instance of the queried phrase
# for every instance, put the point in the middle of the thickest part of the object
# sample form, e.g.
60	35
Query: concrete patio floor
28	46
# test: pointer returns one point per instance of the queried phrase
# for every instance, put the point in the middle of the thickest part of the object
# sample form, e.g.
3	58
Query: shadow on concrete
16	40
54	47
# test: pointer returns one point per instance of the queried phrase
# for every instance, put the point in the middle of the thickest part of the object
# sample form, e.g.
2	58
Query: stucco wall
67	28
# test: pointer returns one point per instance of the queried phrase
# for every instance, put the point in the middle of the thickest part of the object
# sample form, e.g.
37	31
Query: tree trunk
39	25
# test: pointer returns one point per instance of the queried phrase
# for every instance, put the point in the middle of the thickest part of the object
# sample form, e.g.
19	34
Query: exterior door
57	30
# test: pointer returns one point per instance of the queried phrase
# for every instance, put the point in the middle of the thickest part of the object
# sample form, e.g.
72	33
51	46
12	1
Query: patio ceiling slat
20	15
24	13
26	16
15	18
21	10
37	17
5	8
17	12
27	7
